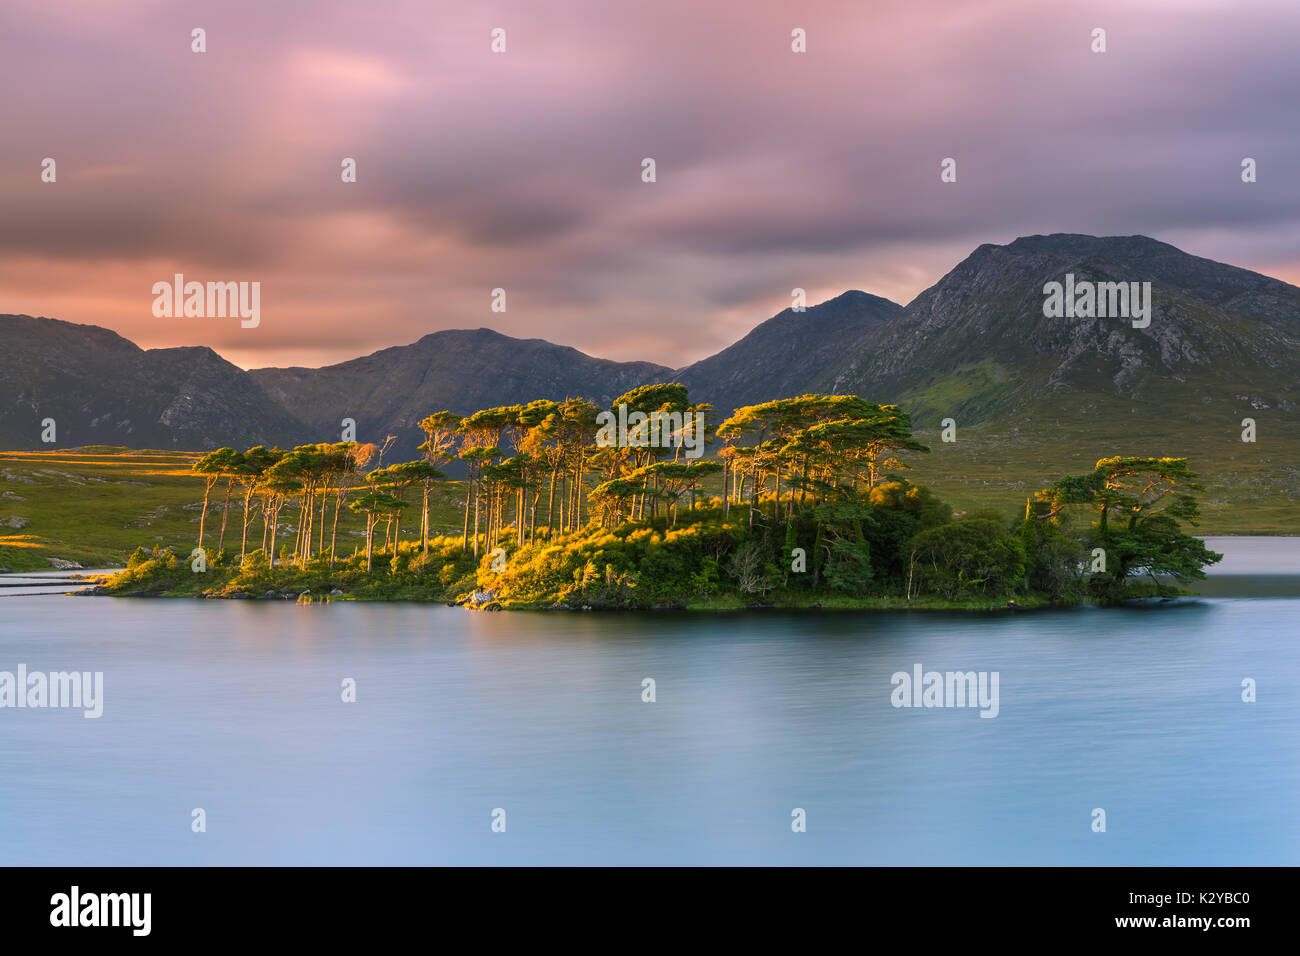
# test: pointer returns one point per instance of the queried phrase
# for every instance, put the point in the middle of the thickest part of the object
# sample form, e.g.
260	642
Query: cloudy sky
522	170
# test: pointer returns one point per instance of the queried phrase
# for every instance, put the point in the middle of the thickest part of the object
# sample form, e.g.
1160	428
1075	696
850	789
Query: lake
235	708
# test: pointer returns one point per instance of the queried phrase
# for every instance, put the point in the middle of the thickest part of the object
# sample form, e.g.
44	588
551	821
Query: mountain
102	389
783	355
390	391
1223	343
976	346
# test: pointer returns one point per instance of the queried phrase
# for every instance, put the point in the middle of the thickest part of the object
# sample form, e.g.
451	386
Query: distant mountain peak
976	345
977	342
789	353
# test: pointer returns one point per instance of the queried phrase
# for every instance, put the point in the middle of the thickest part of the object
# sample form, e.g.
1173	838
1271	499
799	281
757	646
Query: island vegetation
803	502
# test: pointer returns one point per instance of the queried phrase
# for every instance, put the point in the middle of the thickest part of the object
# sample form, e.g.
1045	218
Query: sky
522	170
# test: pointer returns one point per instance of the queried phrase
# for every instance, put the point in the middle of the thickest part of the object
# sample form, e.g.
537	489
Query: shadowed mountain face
1222	343
977	346
788	352
462	371
101	389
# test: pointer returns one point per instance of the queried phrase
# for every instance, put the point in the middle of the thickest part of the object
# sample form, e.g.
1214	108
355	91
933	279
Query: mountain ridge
975	346
389	391
101	388
779	356
1223	326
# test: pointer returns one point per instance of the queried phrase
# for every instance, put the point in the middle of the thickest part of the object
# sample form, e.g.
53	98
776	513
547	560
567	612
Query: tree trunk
424	520
225	515
577	498
243	541
464	537
334	532
304	523
266	517
324	500
203	515
476	497
564	500
550	506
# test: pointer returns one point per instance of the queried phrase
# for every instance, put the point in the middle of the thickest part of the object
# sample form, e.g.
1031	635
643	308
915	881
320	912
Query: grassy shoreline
324	587
737	605
1023	603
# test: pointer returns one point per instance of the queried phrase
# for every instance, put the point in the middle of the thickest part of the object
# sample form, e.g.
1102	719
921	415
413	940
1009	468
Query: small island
564	505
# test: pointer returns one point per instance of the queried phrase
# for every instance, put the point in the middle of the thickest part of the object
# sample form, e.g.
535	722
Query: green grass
1250	489
96	505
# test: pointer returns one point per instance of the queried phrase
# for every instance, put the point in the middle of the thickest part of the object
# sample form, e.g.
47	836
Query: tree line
813	475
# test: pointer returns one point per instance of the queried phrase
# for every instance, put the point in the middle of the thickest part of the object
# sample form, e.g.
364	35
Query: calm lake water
235	707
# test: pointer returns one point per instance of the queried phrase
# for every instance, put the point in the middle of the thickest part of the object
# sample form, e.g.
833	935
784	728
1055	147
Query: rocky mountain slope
389	391
784	354
977	346
102	389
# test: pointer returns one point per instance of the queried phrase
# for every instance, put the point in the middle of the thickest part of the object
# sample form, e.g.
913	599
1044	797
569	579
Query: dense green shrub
967	556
